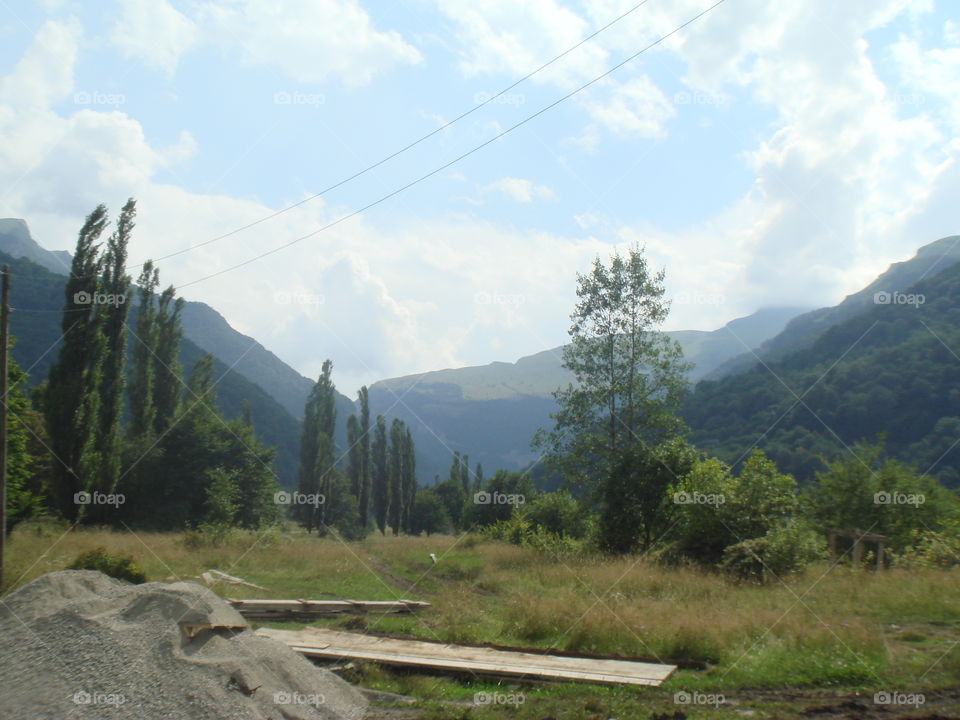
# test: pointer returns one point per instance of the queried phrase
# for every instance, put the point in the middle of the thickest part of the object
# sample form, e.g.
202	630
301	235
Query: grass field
827	639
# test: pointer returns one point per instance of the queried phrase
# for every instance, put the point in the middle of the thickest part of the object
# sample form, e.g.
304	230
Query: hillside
890	370
492	411
804	329
36	299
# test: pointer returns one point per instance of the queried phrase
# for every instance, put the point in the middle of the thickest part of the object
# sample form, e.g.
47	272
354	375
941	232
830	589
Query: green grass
826	630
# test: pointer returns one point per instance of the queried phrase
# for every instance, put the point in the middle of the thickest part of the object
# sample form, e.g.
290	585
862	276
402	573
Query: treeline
379	487
117	435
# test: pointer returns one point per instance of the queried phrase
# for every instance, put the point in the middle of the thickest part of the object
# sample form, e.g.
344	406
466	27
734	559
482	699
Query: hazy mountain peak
16	241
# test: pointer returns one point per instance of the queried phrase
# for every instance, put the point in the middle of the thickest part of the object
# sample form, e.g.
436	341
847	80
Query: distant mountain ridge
803	330
492	411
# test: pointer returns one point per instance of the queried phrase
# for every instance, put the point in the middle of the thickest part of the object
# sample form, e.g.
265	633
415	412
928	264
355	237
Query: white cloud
519	190
44	75
309	40
636	107
154	32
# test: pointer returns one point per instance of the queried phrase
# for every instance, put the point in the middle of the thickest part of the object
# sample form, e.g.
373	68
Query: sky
770	153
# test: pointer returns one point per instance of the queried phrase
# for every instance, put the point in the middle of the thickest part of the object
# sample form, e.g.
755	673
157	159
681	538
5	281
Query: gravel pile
78	644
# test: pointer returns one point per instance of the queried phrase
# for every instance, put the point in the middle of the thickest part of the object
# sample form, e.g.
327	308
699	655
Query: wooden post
857	548
4	345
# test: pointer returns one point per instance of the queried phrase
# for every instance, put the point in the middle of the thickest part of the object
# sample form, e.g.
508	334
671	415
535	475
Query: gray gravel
78	644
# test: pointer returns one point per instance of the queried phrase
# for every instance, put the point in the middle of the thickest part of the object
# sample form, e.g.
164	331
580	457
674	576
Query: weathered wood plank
255	608
334	644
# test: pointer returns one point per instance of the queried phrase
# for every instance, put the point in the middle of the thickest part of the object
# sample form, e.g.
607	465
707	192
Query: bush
933	548
786	548
116	566
559	513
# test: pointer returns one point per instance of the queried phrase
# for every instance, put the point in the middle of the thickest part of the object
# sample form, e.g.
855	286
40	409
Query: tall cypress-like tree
354	450
71	403
478	478
396	474
410	480
465	473
364	498
317	448
168	372
380	489
141	389
115	287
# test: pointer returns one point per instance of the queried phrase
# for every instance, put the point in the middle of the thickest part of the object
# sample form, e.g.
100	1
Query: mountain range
491	411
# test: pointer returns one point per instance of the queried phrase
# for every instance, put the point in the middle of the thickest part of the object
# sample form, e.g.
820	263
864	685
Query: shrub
933	548
116	566
786	548
559	513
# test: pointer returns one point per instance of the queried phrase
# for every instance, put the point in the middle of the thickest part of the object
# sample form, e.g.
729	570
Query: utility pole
4	347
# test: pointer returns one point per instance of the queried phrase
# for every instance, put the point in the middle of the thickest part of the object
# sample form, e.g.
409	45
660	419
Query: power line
404	149
457	159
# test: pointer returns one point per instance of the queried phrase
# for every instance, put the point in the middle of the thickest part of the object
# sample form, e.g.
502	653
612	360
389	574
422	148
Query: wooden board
265	609
337	645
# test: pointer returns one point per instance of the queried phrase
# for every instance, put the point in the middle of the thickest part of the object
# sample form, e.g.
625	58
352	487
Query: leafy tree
167	371
478	478
141	388
636	510
429	514
397	472
868	491
409	485
354	451
451	494
559	513
503	492
72	403
380	492
317	448
716	508
363	497
115	285
629	378
24	486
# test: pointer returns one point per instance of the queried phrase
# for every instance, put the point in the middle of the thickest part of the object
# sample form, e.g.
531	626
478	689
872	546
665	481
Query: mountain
201	324
889	370
492	411
803	330
16	241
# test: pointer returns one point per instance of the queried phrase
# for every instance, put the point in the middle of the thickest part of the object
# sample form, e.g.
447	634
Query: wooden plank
334	644
254	608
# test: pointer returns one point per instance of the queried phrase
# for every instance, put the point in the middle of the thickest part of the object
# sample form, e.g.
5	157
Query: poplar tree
71	403
397	436
363	500
478	478
141	389
167	370
410	481
115	286
380	473
317	448
354	452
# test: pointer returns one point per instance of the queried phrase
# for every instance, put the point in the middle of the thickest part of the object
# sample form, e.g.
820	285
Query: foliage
629	377
889	370
635	508
318	449
559	513
880	495
717	508
933	548
787	547
116	566
504	492
429	514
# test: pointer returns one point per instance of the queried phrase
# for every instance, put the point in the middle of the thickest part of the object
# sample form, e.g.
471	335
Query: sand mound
78	644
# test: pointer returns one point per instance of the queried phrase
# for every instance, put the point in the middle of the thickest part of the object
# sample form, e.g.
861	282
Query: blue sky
773	153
